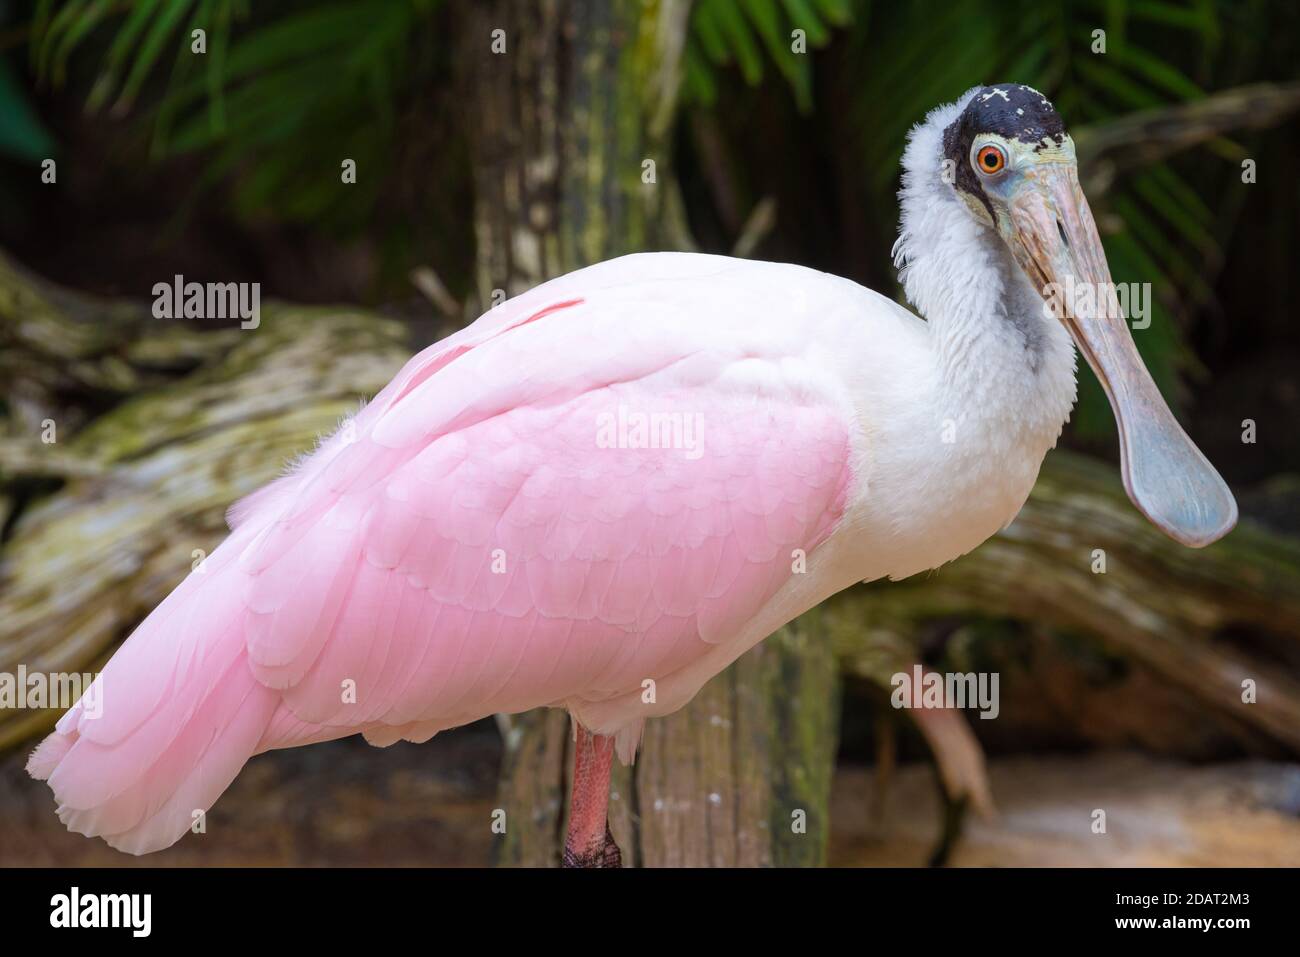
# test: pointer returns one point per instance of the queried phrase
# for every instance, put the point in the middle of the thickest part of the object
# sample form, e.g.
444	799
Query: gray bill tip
1173	484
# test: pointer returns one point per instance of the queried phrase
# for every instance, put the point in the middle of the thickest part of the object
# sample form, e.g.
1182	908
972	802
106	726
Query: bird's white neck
1000	356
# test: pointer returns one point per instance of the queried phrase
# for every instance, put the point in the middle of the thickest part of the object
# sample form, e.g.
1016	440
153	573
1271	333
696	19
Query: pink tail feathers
165	728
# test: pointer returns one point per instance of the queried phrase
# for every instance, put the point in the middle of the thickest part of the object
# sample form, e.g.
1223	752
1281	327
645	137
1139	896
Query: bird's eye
990	159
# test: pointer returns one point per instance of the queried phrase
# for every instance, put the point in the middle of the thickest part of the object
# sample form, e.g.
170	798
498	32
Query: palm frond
22	135
320	78
751	33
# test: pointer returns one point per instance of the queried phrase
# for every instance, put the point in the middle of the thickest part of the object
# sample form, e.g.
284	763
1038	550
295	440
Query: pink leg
589	842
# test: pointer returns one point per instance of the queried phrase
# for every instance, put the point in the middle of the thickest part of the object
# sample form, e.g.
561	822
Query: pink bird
605	490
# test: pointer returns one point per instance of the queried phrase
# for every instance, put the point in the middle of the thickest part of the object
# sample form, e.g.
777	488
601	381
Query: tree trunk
569	137
569	124
741	777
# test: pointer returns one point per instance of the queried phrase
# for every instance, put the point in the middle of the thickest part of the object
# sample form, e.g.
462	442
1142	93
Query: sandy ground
1157	813
349	804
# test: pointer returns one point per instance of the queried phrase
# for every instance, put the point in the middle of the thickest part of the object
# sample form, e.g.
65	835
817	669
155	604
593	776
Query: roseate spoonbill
621	480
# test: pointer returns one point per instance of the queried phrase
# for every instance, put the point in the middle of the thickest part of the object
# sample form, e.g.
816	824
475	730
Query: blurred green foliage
271	95
22	135
743	32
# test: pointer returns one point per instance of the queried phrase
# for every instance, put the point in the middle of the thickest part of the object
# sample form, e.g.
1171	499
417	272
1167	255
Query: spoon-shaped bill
1167	477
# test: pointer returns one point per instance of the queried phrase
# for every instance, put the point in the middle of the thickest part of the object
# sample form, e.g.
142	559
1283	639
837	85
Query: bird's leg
589	842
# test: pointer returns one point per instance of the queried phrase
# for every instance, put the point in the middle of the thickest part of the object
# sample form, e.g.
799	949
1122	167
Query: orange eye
990	159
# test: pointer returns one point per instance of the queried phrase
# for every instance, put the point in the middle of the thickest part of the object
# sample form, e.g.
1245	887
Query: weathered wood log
81	567
65	355
1175	610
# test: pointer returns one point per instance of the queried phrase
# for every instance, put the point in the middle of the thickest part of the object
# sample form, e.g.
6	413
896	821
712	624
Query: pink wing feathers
551	506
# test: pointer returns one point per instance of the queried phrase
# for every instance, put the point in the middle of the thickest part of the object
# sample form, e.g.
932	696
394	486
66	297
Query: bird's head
1009	159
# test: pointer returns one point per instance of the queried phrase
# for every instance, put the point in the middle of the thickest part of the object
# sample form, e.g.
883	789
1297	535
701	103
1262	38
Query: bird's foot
604	853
